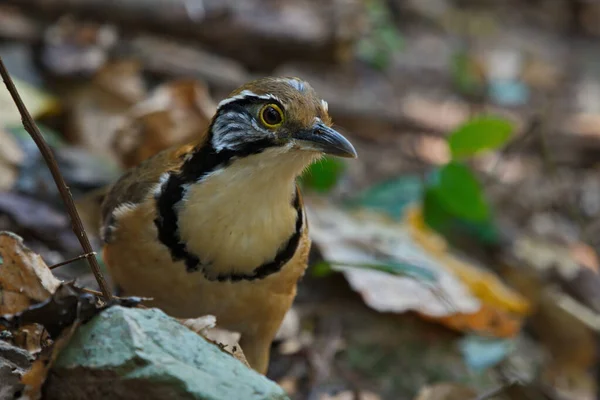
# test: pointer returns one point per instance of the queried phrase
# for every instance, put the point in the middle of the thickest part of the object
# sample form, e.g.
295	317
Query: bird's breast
236	225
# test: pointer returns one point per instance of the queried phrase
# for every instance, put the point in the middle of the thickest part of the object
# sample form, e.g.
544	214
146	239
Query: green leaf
321	269
391	196
323	175
435	214
458	192
479	134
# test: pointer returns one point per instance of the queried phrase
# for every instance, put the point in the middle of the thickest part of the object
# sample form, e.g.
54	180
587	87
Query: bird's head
281	116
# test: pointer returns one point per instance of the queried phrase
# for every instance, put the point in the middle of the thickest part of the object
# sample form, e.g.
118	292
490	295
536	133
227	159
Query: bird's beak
326	140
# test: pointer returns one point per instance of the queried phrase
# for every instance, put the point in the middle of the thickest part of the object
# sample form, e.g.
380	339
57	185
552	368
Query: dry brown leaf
97	110
31	337
124	79
201	324
227	341
173	114
24	277
445	391
35	378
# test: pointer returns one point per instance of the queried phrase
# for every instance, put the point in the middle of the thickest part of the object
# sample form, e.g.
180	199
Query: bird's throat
243	220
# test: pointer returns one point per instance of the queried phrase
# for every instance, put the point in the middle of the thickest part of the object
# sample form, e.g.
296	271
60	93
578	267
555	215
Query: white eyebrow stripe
245	94
296	84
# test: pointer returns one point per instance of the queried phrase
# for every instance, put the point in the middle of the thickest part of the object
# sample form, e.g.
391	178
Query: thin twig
60	264
63	189
97	293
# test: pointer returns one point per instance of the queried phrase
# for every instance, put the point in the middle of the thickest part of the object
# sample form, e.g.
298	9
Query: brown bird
217	226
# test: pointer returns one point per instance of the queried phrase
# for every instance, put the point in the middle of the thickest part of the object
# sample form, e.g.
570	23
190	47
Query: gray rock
126	353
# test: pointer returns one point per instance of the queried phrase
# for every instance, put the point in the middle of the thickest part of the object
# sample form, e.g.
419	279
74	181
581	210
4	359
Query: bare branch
63	189
60	264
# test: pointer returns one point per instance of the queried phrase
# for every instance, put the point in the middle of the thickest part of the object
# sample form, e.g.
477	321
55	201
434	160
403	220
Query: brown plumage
217	226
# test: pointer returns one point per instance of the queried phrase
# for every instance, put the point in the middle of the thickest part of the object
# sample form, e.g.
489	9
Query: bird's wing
133	187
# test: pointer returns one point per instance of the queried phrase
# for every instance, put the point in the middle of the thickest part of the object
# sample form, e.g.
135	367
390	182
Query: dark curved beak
326	140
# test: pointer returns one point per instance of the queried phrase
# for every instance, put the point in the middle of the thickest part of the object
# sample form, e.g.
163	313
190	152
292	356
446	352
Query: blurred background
455	259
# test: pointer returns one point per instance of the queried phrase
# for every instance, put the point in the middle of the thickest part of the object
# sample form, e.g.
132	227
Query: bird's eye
271	116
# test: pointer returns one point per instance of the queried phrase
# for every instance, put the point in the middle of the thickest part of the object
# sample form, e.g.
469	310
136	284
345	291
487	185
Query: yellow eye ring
271	115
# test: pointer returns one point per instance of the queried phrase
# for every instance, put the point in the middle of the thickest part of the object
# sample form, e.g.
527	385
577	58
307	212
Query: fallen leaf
124	79
67	305
97	110
38	103
173	114
484	284
338	234
14	363
11	157
32	337
439	288
486	320
228	341
445	391
200	324
24	277
35	378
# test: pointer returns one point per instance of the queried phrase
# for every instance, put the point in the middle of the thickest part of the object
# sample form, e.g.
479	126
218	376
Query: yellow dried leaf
24	277
37	102
488	321
484	284
11	157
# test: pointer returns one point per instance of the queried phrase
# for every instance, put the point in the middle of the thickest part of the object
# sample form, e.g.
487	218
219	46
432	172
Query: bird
217	226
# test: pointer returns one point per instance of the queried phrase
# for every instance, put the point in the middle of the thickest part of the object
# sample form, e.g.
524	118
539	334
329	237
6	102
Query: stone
126	353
